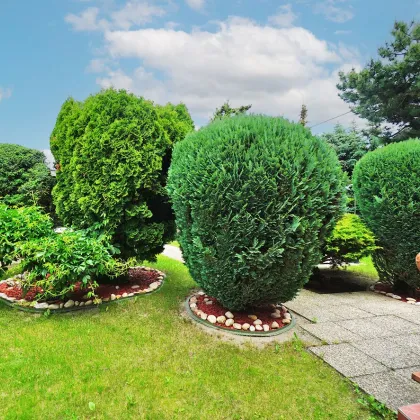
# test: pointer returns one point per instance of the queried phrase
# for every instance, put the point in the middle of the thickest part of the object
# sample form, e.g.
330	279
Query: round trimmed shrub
387	190
254	199
113	152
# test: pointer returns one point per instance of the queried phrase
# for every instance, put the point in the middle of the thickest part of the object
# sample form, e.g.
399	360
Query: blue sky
274	54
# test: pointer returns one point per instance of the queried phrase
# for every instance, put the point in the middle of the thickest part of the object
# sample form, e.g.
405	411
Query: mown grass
141	360
365	268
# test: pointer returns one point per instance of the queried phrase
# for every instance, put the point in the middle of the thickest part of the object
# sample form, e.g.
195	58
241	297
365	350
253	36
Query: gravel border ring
18	307
272	333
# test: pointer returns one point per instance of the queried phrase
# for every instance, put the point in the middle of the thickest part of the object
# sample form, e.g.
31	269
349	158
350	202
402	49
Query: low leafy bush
17	225
113	152
254	198
58	263
387	191
349	241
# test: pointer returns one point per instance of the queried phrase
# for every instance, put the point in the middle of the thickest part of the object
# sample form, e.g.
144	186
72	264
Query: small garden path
372	339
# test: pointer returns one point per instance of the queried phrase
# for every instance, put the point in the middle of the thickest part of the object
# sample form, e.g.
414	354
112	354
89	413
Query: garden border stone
16	306
238	332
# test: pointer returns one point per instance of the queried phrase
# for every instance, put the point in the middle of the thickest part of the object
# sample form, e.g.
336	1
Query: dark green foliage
227	111
303	117
56	263
349	145
387	90
254	199
349	241
20	224
113	152
387	190
24	177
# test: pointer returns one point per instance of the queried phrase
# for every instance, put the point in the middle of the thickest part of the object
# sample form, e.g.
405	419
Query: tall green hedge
254	198
25	179
113	152
387	190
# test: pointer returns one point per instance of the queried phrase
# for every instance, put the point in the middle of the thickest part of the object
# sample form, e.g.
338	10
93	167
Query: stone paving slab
350	312
413	315
365	328
391	388
395	325
348	360
407	372
410	342
331	332
390	354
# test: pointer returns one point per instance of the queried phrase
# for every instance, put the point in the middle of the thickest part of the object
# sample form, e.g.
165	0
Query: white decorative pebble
257	322
287	316
411	299
275	325
203	316
193	305
229	322
245	326
212	319
113	297
258	327
252	328
229	315
237	326
54	306
266	328
396	297
69	304
275	315
124	295
193	300
117	287
286	321
88	303
221	319
135	286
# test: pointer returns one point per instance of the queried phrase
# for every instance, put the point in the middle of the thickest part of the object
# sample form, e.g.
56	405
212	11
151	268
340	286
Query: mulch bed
258	319
140	280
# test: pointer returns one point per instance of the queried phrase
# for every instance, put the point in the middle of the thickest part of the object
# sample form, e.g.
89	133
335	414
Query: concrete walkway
367	337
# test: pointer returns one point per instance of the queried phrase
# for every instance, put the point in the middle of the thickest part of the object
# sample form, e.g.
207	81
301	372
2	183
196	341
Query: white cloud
196	4
5	93
274	69
284	18
133	13
49	158
97	65
87	20
332	10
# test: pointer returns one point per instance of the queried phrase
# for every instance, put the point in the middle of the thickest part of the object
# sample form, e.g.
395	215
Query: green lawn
365	267
141	360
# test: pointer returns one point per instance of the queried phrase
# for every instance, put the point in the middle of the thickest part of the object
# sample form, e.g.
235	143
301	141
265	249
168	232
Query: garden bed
140	281
387	290
259	321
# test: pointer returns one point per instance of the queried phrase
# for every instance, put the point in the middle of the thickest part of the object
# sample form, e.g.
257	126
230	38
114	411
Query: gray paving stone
390	388
314	313
348	360
365	327
408	341
387	352
350	312
395	325
331	333
412	315
407	372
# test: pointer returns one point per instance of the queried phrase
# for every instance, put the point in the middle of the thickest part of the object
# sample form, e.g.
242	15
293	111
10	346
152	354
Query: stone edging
238	332
15	304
